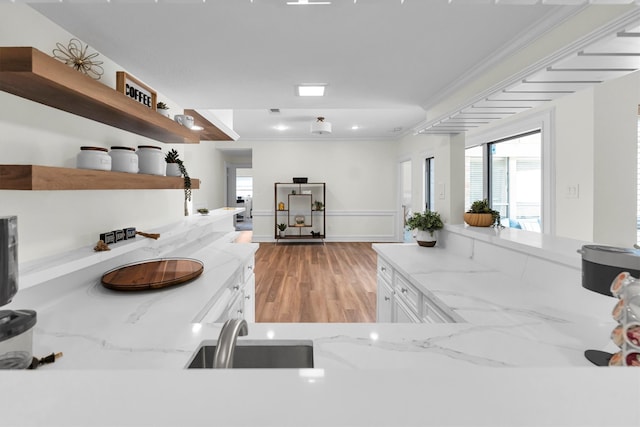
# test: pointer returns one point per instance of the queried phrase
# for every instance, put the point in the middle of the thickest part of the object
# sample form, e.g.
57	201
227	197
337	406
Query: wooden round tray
152	274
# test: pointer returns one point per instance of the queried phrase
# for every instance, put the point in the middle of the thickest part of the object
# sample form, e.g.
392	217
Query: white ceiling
384	61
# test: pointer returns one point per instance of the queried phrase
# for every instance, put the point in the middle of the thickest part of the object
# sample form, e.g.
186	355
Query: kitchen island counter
125	356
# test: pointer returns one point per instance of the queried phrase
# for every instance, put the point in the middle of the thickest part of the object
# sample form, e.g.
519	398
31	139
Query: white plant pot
173	169
282	233
425	238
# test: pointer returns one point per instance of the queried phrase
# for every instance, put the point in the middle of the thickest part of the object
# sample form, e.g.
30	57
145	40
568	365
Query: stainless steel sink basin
259	354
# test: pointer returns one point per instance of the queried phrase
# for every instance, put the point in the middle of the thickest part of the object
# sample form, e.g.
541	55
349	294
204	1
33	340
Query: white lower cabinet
235	300
384	302
235	309
250	299
404	314
399	301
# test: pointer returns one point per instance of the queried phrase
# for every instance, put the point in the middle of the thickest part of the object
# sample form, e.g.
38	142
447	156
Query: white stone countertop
125	354
557	249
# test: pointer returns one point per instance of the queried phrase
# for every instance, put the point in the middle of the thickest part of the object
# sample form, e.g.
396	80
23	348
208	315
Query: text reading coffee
138	95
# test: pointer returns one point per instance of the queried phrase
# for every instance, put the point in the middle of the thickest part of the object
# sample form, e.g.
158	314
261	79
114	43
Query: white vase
173	169
426	238
282	233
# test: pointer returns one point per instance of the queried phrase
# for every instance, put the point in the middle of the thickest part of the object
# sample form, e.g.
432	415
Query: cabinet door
432	313
408	293
404	314
250	299
236	308
384	302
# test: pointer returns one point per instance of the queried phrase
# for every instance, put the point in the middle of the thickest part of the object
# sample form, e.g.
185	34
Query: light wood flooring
311	282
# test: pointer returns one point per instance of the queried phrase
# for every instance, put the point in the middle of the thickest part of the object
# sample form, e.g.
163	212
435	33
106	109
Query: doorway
239	193
244	198
406	202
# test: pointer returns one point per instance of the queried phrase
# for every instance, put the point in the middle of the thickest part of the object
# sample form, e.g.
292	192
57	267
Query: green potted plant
318	205
175	167
173	163
481	215
425	224
163	109
281	228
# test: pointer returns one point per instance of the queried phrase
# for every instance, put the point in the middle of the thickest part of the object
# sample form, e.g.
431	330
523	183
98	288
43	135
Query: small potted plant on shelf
481	215
281	228
173	163
425	224
163	109
318	205
175	167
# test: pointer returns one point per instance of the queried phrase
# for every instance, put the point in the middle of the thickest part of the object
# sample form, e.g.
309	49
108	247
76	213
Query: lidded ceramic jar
93	158
124	159
151	160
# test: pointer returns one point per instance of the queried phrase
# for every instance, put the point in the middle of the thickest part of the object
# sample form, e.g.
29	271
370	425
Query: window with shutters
511	179
474	175
515	176
429	183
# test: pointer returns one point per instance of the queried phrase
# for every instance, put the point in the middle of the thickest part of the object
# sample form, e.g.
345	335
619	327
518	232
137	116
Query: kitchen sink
277	354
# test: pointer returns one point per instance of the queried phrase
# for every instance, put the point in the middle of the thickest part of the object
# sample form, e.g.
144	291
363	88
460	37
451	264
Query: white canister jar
124	159
151	160
93	158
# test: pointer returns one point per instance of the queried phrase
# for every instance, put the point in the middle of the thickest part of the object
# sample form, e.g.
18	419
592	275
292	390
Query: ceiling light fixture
355	127
281	127
311	89
320	126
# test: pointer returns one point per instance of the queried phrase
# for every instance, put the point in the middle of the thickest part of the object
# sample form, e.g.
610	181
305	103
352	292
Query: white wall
361	178
574	156
615	153
448	154
30	133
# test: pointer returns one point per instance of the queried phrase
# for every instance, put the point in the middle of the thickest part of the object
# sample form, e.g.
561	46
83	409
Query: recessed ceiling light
281	127
355	127
307	3
311	89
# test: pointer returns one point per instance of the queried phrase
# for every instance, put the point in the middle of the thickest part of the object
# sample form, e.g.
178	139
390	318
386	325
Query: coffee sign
136	90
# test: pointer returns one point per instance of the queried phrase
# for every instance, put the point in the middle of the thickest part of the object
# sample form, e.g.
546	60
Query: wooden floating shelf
33	177
210	132
28	73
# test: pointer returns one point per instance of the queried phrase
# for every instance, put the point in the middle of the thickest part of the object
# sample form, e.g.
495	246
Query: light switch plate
572	191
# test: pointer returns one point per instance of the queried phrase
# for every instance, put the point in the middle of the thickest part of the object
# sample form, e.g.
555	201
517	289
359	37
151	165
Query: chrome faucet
223	357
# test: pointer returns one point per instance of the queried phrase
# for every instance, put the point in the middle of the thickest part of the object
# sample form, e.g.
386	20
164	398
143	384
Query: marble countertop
507	324
125	354
43	270
482	294
557	249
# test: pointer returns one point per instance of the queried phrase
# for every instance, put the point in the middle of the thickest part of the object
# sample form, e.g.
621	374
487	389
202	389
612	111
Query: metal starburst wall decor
75	55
